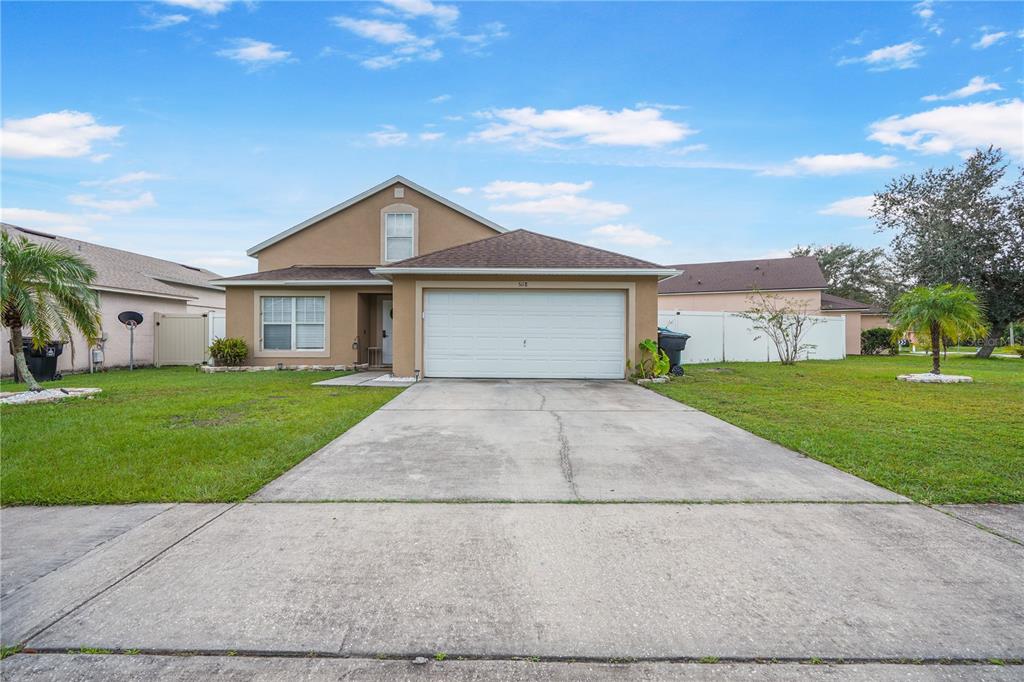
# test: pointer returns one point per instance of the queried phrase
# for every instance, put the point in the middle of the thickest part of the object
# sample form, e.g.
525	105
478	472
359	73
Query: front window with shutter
293	322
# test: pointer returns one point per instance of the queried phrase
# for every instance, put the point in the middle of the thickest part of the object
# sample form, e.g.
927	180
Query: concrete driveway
555	441
563	557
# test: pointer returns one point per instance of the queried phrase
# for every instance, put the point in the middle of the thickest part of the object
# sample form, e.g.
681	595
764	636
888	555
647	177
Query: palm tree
943	310
46	290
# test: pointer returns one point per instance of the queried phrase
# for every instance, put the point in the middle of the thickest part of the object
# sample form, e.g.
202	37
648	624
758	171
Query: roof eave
736	291
363	195
305	282
661	273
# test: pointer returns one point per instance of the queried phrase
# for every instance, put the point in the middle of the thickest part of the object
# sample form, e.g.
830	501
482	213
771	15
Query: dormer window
399	230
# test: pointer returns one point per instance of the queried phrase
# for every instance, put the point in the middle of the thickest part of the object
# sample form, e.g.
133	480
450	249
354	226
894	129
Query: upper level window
398	236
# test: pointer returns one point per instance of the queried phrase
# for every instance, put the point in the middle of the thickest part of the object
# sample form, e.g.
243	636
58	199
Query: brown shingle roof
830	302
744	275
526	250
313	273
117	269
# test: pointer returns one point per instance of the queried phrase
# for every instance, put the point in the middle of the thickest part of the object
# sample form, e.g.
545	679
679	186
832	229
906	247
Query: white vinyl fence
217	327
728	337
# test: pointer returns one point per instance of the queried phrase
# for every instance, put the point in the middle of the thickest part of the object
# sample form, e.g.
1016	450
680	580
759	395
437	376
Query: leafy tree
962	226
861	274
784	321
933	312
45	289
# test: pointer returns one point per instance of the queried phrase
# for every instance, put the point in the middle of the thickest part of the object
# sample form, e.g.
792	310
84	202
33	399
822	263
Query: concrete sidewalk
850	581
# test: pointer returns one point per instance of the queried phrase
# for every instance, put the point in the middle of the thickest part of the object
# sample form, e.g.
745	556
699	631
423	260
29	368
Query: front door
386	316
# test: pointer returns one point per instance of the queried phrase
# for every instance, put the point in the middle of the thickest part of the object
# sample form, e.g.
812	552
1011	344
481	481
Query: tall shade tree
962	226
861	274
945	310
44	289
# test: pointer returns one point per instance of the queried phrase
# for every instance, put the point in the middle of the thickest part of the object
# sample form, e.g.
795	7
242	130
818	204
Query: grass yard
163	435
932	443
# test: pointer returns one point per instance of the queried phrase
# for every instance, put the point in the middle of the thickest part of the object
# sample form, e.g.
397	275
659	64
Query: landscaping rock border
930	378
47	395
275	368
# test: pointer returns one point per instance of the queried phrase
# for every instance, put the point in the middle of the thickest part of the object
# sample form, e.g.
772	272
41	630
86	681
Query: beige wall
349	316
352	237
872	321
406	322
735	302
116	348
852	329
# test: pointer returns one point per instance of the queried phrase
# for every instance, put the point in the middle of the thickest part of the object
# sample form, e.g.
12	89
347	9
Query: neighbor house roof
398	179
768	274
522	250
118	270
298	275
830	302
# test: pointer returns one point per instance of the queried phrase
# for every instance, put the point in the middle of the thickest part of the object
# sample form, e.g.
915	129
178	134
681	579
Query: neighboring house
729	286
400	277
126	281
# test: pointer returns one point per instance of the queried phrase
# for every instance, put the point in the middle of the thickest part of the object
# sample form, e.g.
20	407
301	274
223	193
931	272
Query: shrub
654	361
230	351
1018	349
878	341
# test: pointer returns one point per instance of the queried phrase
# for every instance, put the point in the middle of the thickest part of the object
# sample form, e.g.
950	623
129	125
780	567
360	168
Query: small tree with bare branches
785	321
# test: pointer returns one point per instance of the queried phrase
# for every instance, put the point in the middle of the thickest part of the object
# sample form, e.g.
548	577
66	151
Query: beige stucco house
126	281
401	277
730	286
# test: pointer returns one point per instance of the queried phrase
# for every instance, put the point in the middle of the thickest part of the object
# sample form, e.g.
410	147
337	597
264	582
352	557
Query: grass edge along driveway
172	435
954	443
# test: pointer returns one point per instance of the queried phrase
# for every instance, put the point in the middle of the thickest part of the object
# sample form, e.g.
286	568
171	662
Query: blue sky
678	132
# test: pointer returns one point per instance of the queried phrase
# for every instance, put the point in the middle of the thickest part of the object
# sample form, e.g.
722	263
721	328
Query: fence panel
180	339
728	337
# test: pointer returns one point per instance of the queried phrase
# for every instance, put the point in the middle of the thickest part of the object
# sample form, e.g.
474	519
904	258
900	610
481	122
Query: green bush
878	341
230	351
1018	349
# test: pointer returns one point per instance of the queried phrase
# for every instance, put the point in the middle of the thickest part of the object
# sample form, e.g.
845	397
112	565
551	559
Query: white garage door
524	334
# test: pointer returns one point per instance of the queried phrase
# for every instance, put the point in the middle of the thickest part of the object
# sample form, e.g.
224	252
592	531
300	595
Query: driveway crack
563	456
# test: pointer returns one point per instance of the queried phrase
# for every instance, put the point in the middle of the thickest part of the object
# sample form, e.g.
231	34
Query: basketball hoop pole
131	348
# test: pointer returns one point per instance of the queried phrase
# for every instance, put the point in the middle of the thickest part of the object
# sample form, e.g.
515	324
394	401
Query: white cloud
659	105
901	56
440	98
976	85
956	128
528	128
384	32
832	164
144	200
627	235
126	179
204	6
501	189
389	136
989	39
926	12
443	15
854	207
487	34
463	190
430	137
255	54
161	21
62	134
64	224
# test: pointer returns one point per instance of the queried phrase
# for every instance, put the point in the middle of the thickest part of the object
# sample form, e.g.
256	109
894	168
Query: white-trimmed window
292	322
398	236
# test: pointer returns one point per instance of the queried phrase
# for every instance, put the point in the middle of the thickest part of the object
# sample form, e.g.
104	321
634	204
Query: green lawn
161	435
933	443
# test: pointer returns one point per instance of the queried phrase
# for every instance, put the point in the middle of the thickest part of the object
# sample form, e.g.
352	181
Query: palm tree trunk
936	339
991	341
17	342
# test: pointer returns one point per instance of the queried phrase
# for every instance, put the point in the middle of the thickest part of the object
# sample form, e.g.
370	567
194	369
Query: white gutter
303	282
581	272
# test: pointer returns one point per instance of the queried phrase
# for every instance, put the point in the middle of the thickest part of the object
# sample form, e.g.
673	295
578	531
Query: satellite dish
130	318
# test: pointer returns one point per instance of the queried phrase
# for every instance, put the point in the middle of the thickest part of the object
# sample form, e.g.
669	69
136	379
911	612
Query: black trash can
673	343
42	362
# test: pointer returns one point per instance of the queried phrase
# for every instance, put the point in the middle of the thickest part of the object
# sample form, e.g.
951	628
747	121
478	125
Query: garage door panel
482	333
